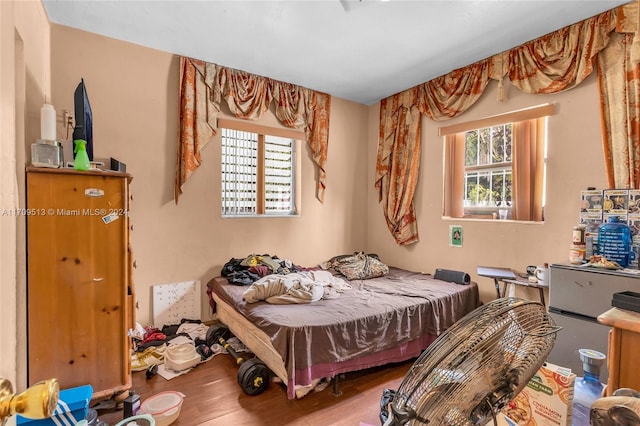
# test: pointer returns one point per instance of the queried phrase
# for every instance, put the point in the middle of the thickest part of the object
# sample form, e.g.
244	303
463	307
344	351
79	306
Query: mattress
380	320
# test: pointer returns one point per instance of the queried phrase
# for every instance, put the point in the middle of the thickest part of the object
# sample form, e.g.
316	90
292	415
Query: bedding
377	321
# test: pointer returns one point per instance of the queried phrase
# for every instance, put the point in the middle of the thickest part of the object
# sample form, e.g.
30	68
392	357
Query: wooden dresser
79	289
624	346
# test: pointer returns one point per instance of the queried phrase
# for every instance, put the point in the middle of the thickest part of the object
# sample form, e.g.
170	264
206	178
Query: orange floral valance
555	62
203	87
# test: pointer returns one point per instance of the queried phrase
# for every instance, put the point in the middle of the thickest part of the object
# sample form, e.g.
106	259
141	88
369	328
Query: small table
508	276
525	283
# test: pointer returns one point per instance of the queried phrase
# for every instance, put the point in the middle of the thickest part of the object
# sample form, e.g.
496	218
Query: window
487	168
495	167
258	171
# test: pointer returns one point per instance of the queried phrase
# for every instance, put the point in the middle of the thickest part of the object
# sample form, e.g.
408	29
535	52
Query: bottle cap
591	360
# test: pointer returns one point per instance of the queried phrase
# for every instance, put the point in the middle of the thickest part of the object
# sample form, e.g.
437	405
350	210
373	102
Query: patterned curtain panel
398	163
197	120
619	82
557	61
204	86
560	60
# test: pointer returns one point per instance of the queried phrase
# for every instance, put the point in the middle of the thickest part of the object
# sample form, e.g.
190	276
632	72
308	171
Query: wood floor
213	397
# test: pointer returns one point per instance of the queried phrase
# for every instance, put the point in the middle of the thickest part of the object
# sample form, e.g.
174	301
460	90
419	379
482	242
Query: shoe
204	351
152	371
153	355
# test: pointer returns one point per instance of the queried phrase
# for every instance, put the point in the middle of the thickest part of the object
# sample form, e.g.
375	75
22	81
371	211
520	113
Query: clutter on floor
175	349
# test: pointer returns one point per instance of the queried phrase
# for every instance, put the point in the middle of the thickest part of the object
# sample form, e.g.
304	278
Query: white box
615	201
547	399
591	201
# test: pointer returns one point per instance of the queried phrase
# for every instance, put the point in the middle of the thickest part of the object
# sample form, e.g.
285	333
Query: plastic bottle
588	388
131	404
81	161
614	241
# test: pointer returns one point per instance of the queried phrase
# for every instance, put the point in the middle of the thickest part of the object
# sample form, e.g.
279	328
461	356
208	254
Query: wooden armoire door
78	285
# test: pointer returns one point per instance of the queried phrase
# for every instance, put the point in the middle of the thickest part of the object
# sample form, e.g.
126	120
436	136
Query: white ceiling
360	50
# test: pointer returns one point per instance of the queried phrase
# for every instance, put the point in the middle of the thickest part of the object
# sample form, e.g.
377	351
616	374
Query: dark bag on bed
451	276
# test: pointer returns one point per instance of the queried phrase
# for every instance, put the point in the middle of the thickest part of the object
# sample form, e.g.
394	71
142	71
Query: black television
83	128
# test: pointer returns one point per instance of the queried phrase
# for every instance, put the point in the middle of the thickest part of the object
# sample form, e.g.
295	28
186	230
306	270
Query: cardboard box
591	201
73	405
633	220
634	201
616	201
547	400
592	221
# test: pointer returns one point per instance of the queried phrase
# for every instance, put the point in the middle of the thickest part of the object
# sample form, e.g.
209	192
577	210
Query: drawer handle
97	280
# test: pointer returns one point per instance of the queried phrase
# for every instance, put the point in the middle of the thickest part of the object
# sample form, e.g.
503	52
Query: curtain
397	169
619	84
454	175
560	60
527	170
204	86
197	120
557	61
399	141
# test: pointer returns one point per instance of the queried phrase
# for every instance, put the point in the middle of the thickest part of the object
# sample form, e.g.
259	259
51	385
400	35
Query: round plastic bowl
164	407
181	357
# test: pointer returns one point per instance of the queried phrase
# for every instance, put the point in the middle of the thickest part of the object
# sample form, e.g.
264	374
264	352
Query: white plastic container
181	357
46	153
164	407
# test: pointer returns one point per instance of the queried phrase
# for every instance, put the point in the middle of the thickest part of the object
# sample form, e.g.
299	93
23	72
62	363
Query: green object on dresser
81	161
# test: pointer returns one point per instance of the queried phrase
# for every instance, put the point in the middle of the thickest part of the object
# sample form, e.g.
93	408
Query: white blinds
278	179
239	172
257	174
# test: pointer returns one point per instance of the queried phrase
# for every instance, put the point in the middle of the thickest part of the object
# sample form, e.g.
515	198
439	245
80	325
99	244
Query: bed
379	321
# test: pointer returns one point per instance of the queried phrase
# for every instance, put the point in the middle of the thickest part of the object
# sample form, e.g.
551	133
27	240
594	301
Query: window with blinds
258	174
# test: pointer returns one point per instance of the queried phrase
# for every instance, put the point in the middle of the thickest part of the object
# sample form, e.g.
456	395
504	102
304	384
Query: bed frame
252	337
300	381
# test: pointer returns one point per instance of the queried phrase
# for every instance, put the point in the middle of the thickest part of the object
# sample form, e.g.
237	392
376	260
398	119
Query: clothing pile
176	347
151	348
248	270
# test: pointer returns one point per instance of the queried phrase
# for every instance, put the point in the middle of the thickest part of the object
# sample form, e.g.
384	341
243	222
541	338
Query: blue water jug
588	388
614	241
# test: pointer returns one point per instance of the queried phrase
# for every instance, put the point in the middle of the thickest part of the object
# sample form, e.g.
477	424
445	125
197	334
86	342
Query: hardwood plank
214	397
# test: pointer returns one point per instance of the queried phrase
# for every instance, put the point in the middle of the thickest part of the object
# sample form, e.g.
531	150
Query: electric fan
474	368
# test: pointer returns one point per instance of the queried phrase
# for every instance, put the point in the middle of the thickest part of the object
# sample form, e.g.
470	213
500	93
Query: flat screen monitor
83	128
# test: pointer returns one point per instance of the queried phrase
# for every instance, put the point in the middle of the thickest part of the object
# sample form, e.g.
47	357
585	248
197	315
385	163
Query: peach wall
574	163
133	92
24	80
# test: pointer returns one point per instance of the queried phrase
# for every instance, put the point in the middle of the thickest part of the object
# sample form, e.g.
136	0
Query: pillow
359	266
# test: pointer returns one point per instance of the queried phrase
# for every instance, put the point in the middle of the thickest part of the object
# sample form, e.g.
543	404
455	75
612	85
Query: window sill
491	220
261	216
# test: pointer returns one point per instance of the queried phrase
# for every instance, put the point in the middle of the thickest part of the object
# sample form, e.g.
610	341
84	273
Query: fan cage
477	366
